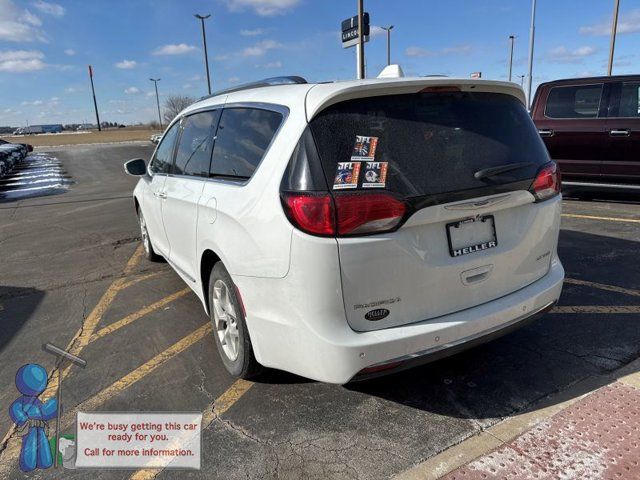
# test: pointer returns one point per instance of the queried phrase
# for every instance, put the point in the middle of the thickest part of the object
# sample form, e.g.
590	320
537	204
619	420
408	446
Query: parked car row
155	138
11	154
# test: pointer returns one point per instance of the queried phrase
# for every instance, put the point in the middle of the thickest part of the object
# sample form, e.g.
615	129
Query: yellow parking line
593	217
603	286
221	404
75	346
84	333
144	369
136	315
596	309
140	278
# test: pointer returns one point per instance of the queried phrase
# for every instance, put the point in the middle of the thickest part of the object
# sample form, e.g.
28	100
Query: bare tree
174	104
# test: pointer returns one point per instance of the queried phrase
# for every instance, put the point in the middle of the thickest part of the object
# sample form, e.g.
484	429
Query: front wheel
149	252
229	327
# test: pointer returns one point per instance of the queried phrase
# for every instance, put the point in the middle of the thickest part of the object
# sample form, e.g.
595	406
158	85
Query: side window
193	154
580	101
161	162
241	141
630	100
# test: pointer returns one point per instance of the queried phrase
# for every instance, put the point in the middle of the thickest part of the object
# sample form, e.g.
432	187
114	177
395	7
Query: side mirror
136	167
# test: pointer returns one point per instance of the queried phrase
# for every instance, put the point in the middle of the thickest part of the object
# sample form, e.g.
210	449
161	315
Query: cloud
253	33
150	93
260	48
276	64
52	9
33	103
627	23
233	79
70	90
174	49
126	64
19	25
376	31
70	52
131	90
221	58
423	52
264	8
19	61
562	54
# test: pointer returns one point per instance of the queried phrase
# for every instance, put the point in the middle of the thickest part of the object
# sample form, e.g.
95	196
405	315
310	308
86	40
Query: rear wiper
492	171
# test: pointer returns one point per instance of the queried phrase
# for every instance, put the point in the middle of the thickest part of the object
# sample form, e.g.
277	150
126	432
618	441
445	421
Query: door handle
619	132
160	194
546	132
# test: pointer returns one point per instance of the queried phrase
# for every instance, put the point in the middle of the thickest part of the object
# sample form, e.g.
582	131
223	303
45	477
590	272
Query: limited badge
364	148
347	175
375	175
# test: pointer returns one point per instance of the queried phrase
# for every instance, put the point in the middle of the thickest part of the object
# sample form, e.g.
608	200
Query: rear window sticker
375	175
347	175
364	148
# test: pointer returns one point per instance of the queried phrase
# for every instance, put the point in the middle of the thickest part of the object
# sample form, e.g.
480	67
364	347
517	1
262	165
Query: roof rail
267	82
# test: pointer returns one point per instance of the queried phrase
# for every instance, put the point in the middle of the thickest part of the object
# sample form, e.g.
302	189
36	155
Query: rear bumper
316	342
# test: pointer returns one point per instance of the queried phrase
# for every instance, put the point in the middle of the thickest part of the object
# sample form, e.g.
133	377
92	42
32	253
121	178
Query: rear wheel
229	327
149	253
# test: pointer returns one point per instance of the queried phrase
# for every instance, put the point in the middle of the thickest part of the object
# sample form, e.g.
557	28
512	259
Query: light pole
388	30
155	82
532	37
512	40
614	28
360	46
522	80
202	18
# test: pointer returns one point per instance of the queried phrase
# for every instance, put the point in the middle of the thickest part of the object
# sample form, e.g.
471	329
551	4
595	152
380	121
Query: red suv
591	127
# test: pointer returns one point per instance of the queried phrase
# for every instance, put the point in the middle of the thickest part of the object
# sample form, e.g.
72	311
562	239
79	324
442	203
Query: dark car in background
591	127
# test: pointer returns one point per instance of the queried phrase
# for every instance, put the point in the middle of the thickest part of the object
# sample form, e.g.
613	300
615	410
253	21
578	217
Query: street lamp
614	28
512	39
155	82
388	30
532	38
202	18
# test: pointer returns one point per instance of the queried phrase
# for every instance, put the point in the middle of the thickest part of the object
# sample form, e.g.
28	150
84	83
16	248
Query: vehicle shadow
17	304
510	374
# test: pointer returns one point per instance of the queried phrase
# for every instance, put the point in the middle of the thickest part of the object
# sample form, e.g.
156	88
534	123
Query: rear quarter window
430	143
243	136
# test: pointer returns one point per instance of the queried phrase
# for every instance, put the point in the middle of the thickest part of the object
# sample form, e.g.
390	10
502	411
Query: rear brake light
547	182
347	214
368	213
311	213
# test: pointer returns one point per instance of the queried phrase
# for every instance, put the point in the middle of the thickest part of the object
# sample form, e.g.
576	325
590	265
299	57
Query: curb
489	439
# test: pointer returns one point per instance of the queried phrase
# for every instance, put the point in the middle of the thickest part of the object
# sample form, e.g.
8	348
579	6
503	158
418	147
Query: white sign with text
138	440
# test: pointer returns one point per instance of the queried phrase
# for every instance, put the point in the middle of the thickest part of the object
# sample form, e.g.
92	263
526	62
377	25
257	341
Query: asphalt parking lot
72	275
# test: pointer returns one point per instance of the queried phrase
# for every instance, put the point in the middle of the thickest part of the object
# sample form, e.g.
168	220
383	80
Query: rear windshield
426	143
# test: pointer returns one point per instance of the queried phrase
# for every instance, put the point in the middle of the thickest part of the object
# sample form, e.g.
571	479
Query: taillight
310	212
368	213
547	182
346	214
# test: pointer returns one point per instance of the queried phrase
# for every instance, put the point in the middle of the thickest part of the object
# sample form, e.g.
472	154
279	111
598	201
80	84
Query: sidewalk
595	436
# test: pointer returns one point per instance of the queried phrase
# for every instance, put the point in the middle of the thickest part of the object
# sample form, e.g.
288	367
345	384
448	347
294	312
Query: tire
229	327
149	252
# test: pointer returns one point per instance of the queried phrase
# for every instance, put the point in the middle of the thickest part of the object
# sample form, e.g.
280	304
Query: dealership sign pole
95	103
352	36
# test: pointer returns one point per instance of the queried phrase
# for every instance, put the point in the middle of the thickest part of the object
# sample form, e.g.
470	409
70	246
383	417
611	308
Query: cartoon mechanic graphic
29	412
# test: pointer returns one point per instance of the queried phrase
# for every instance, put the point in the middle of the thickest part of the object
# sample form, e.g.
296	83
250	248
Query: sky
45	47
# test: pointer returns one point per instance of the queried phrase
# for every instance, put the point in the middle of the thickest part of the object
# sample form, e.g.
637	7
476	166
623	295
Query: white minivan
344	229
